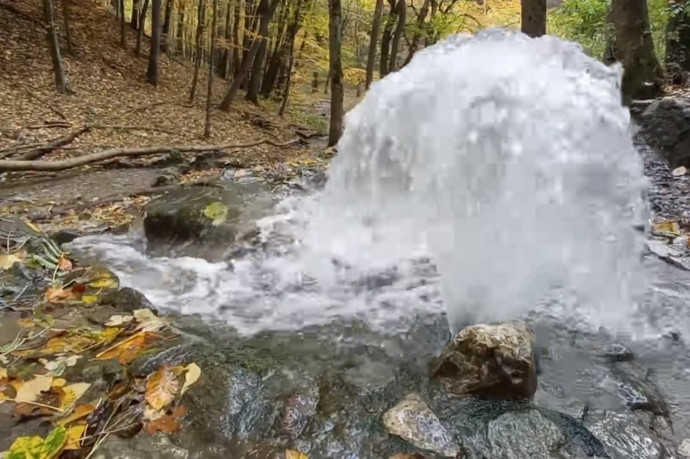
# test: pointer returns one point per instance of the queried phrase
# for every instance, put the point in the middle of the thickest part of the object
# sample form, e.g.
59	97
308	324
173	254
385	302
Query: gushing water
507	161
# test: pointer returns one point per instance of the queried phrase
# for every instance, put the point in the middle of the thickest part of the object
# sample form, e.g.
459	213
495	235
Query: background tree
152	71
335	35
209	87
373	40
54	47
534	17
677	59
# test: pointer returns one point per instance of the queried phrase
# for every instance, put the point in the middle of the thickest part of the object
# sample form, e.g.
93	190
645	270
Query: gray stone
524	434
414	421
666	126
625	437
142	446
684	449
495	360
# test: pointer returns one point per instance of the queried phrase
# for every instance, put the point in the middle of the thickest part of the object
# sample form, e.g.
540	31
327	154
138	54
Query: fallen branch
120	127
57	143
23	165
50	125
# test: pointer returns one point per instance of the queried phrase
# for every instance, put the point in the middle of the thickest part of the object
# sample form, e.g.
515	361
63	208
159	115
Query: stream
467	189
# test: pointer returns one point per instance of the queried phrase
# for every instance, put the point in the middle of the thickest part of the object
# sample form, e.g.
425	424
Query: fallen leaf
292	454
191	376
59	382
89	299
64	264
128	349
59	295
81	411
7	260
3	373
71	343
148	321
106	282
168	423
116	320
216	211
678	171
73	392
54	442
38	448
74	435
161	388
29	391
667	226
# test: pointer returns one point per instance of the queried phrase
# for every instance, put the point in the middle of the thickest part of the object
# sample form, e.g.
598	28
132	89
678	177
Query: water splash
506	160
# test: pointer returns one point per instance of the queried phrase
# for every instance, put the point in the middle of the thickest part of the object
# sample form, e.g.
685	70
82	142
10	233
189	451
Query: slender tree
386	39
236	24
134	21
142	26
401	12
420	30
643	74
167	22
152	71
209	89
534	17
373	41
201	19
335	36
68	27
123	23
54	46
677	57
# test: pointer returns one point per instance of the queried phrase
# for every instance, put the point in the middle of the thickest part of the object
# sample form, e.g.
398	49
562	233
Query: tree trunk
373	41
265	12
257	73
534	17
68	27
179	32
397	36
643	74
134	19
142	26
386	40
288	81
420	30
335	35
200	19
249	27
123	23
54	46
166	26
152	71
610	54
209	90
235	64
226	60
677	57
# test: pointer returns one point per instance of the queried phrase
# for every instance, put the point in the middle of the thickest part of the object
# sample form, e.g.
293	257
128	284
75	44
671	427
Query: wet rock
298	411
524	434
616	353
142	446
126	300
684	448
176	224
666	126
65	235
414	421
625	437
496	360
634	386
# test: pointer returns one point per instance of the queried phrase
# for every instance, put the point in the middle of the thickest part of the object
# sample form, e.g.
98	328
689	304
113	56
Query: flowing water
493	177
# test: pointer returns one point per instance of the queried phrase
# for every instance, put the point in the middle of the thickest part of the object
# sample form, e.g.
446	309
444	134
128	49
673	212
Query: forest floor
114	107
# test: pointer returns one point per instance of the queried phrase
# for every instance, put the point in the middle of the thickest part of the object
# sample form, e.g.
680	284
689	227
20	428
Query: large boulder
665	125
494	360
204	221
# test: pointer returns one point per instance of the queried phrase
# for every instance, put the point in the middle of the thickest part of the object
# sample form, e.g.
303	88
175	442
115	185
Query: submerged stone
625	437
524	434
413	420
495	360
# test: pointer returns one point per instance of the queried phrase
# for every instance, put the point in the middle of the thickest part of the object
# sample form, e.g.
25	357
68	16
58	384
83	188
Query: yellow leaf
75	392
148	321
74	435
69	343
59	382
7	260
216	211
3	373
161	388
80	412
191	376
26	448
106	282
59	295
89	299
667	226
292	454
29	391
128	349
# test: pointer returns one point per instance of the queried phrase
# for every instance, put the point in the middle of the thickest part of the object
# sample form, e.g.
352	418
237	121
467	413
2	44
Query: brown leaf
29	391
59	295
168	423
292	454
129	349
161	388
80	412
64	264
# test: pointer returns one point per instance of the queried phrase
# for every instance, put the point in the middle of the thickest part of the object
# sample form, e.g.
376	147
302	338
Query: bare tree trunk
201	19
643	74
386	40
123	22
165	40
257	74
152	71
265	12
421	30
209	90
677	57
610	54
397	36
142	26
54	46
179	32
534	17
235	64
288	81
373	41
134	19
226	60
335	36
68	28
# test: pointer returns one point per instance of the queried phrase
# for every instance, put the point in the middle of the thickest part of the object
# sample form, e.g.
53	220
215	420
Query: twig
57	143
20	165
142	107
121	127
41	405
50	125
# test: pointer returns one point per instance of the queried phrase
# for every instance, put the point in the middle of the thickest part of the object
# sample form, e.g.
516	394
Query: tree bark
265	12
165	34
610	53
68	27
643	75
257	73
401	10
54	46
534	17
152	71
200	20
373	41
419	31
386	40
209	89
677	57
237	21
134	19
142	26
226	60
123	23
179	31
335	35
